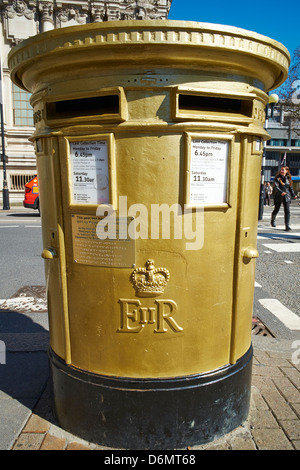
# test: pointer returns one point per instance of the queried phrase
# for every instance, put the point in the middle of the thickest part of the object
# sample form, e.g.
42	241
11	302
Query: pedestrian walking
269	191
283	193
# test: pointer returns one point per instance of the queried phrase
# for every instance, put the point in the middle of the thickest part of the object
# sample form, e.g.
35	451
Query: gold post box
149	137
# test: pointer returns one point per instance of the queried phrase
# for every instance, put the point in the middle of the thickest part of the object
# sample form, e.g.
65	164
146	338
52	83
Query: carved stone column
46	12
98	12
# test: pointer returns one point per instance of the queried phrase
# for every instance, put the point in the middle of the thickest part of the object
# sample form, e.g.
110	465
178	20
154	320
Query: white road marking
284	247
7	221
286	316
279	228
279	236
16	226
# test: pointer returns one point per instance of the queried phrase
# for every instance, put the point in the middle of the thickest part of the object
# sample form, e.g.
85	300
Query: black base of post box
149	414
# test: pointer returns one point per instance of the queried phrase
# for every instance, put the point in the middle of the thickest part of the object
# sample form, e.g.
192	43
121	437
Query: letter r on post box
134	317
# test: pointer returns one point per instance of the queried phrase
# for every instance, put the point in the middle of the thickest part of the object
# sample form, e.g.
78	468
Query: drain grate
31	291
259	329
26	299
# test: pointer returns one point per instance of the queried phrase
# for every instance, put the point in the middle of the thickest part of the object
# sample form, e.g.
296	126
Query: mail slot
84	106
206	104
149	161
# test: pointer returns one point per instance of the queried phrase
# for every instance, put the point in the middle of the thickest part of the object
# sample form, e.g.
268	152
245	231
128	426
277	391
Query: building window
294	164
277	142
17	182
23	113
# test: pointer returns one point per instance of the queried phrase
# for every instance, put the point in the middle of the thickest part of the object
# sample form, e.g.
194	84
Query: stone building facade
21	19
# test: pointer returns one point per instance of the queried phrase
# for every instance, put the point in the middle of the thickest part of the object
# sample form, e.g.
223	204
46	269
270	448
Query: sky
277	19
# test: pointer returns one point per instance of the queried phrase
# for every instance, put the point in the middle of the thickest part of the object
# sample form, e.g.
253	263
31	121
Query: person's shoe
288	228
273	222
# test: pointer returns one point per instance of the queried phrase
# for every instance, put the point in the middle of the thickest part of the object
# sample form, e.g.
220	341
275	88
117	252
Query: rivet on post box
150	320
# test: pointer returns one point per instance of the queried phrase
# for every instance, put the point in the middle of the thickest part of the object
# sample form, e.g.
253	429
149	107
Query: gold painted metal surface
250	252
48	253
89	249
165	96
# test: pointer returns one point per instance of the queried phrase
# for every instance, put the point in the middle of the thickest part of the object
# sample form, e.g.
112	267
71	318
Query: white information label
208	171
89	168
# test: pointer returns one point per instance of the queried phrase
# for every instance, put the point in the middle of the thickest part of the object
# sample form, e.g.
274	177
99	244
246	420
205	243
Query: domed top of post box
47	57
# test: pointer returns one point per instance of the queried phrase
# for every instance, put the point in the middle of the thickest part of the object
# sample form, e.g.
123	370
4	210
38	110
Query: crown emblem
149	281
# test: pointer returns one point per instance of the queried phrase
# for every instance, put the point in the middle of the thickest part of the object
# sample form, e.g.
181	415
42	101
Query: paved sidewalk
273	422
27	421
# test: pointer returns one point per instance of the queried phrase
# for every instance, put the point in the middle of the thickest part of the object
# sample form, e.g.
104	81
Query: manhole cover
259	329
31	291
26	299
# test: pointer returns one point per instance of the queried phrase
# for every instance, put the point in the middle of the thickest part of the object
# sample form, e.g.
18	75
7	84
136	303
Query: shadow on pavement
24	370
278	236
24	214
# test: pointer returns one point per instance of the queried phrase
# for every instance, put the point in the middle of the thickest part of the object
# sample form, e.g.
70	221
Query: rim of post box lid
159	43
